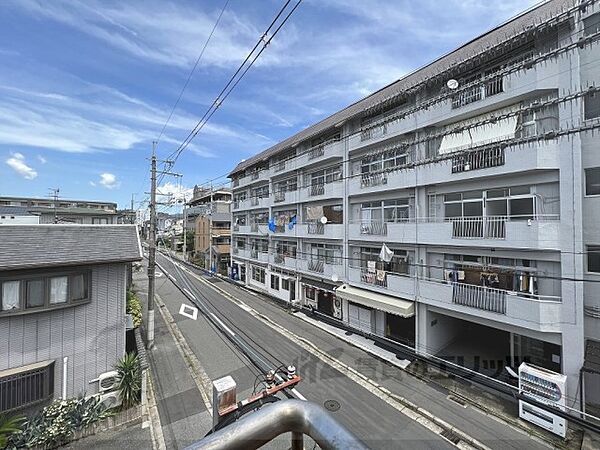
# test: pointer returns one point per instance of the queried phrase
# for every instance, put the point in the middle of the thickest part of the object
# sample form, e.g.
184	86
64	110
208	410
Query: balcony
539	312
283	260
327	190
478	159
259	255
320	230
488	227
322	152
252	177
373	179
322	268
316	266
369	230
478	92
402	285
258	202
373	132
285	197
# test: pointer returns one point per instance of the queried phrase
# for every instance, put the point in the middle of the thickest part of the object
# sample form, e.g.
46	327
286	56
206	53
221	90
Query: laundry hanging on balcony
386	254
292	223
495	131
314	212
272	225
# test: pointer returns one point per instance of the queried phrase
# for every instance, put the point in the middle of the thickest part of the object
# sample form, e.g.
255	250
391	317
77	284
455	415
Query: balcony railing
478	92
488	227
316	266
316	228
478	159
236	227
255	175
376	278
236	182
372	179
479	297
316	152
373	132
373	228
254	201
279	197
317	189
254	253
279	166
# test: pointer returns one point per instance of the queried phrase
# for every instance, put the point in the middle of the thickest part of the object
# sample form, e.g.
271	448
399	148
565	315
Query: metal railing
279	166
478	159
373	132
373	228
316	266
372	179
315	228
487	227
254	201
316	189
376	278
479	297
279	196
27	388
316	152
478	92
289	416
255	175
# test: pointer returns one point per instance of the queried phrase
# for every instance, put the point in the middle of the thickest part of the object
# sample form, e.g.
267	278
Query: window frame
588	248
24	277
585	175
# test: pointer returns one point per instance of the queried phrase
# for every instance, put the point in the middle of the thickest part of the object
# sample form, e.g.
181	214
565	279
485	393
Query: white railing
279	197
316	152
317	189
315	228
478	92
279	166
376	278
373	228
478	159
487	227
316	266
373	179
479	297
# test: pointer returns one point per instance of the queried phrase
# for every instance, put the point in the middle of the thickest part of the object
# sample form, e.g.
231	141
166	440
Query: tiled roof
15	211
494	37
33	246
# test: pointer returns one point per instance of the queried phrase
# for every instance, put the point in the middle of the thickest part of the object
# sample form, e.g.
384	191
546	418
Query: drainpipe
64	378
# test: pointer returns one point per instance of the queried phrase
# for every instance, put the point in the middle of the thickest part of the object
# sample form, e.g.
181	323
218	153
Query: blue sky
85	86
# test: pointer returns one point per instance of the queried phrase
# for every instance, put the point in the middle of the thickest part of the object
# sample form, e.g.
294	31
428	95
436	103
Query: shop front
321	297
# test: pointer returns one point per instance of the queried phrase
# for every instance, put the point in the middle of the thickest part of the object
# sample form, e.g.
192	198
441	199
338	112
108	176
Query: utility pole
54	194
210	242
152	250
184	229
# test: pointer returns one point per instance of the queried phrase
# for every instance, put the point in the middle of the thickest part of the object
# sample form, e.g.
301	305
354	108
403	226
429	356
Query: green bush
56	423
130	380
134	307
8	426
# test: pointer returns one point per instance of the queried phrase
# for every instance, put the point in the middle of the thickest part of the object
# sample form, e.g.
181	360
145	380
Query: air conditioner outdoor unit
110	399
108	381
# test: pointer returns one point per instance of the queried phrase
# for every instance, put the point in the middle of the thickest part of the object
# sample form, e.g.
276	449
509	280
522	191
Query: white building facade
486	194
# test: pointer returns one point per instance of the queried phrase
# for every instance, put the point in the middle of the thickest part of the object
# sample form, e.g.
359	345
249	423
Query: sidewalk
184	418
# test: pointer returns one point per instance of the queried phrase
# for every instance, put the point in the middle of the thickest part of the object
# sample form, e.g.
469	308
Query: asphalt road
372	419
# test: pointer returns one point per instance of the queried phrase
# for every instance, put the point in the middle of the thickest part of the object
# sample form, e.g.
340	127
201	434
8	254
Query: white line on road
222	324
189	293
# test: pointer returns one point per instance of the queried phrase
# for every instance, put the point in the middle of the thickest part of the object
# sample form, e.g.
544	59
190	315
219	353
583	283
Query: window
58	290
591	24
34	293
592	181
593	258
10	295
32	384
396	210
100	220
275	282
591	105
285	284
258	274
43	292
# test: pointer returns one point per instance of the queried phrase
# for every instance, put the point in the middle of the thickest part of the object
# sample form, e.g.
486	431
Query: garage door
360	317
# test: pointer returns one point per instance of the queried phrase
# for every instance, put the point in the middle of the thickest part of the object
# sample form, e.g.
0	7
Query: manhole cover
331	405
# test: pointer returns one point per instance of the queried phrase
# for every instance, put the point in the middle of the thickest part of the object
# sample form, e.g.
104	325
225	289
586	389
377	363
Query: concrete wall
92	335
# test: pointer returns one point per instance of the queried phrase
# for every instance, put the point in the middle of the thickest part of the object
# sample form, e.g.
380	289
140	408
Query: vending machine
543	386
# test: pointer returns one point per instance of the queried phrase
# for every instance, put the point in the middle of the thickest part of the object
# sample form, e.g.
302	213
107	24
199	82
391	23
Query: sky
86	86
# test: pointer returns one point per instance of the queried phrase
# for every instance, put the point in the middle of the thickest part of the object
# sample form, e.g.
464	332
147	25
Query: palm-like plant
130	380
8	426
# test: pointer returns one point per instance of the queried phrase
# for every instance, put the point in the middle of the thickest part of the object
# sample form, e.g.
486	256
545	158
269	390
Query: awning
386	303
318	284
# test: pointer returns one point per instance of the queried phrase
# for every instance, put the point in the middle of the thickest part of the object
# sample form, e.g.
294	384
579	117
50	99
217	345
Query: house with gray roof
62	309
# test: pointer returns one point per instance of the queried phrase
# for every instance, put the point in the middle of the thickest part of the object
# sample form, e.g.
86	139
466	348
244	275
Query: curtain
58	289
10	295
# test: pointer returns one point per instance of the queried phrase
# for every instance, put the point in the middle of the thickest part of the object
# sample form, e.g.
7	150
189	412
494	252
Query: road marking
222	324
189	293
191	315
298	395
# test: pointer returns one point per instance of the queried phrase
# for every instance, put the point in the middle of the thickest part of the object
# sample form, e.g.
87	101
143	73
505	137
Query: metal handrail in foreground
295	416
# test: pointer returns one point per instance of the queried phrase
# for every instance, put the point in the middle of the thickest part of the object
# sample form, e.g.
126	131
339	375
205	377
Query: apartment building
210	210
62	309
65	211
454	210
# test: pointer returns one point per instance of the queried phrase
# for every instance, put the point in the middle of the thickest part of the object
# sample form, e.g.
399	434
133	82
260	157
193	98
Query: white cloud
108	180
172	192
42	159
17	163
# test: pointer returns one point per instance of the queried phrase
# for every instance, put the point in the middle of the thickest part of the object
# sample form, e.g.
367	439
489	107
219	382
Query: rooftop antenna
53	193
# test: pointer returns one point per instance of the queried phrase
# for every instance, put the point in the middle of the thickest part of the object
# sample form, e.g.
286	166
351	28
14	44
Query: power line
193	70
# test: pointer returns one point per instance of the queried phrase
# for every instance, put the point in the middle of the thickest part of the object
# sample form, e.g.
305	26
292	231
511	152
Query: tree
8	426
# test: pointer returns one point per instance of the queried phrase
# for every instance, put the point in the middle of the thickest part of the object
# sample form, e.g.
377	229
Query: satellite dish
323	220
452	84
334	278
